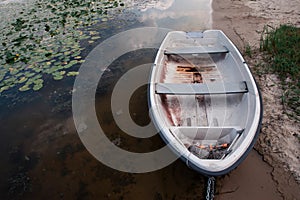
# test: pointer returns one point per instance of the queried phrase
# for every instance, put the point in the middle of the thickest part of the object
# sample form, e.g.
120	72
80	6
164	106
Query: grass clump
248	50
282	47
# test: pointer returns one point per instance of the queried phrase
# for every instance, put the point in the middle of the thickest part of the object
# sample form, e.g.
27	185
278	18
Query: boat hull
204	101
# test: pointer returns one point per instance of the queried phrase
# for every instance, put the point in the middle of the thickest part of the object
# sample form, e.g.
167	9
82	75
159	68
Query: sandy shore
243	21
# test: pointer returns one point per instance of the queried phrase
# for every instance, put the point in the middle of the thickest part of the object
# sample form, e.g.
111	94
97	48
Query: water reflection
177	14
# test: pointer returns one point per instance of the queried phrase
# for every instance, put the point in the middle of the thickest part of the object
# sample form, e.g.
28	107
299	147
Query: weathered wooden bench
196	50
201	88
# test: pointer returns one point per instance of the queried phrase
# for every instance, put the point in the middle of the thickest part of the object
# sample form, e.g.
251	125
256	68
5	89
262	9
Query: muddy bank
243	21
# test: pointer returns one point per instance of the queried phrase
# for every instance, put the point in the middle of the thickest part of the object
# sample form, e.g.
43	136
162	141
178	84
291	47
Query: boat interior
204	97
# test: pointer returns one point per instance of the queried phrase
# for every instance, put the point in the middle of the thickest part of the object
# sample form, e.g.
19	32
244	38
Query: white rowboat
204	100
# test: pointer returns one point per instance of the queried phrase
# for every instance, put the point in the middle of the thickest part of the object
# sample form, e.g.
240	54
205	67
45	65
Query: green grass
282	48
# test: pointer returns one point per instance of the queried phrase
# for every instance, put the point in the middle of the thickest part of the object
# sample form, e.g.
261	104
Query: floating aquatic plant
45	40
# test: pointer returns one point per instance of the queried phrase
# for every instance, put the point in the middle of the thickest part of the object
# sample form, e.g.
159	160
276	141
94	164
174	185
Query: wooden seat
196	50
201	88
206	133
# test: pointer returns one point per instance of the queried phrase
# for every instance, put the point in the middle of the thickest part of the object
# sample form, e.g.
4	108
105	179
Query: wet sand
275	178
251	180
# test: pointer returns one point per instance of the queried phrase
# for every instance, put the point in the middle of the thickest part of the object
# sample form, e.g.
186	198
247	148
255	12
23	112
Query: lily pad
4	88
93	33
37	87
38	81
67	66
77	57
10	81
22	79
29	74
72	73
66	59
70	64
58	77
67	53
84	37
37	70
95	37
14	71
24	88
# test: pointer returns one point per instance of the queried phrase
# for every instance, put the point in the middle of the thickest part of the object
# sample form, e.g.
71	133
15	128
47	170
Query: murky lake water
41	154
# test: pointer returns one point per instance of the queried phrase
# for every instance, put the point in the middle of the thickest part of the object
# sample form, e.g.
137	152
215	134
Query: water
178	15
40	150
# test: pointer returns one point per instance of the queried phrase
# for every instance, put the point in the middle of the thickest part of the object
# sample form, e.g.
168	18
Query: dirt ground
279	176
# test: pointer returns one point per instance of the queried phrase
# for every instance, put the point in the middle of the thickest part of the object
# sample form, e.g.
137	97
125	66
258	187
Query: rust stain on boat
182	70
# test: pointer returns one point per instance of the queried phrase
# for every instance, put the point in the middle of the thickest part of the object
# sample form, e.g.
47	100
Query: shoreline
243	22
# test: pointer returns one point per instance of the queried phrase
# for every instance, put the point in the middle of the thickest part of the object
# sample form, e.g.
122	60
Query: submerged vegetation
282	46
43	40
